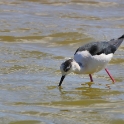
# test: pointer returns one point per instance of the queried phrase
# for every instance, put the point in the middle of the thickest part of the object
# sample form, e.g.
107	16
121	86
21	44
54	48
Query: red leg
91	79
109	75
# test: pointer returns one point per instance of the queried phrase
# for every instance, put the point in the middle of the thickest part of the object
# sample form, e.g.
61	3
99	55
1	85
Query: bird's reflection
89	84
86	90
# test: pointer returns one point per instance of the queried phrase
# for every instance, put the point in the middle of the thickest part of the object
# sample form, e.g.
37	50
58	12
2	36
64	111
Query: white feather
91	64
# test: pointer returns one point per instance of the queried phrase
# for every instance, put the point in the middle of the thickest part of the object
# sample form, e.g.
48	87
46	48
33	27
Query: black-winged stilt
91	58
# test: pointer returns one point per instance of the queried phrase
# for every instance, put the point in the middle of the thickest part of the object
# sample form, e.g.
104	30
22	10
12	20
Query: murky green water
35	38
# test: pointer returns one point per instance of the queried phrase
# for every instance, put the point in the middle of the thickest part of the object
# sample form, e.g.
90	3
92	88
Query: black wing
117	42
97	48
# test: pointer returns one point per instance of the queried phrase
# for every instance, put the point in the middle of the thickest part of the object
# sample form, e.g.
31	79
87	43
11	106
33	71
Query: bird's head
65	68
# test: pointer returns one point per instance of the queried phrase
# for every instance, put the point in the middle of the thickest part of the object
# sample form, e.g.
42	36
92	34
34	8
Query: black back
97	48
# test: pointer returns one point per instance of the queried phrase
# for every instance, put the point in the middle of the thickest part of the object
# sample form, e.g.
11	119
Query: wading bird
91	58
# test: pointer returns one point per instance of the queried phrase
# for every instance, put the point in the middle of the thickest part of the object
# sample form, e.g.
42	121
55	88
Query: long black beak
62	78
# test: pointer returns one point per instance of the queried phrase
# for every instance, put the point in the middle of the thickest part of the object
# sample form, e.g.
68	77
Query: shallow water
36	36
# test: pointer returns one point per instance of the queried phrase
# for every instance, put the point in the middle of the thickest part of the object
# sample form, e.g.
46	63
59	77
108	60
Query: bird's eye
67	69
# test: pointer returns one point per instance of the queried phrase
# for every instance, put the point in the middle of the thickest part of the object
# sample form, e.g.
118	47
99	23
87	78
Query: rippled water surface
36	36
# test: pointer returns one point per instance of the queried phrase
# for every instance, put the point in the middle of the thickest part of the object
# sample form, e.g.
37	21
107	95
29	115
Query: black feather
67	65
97	48
117	42
122	37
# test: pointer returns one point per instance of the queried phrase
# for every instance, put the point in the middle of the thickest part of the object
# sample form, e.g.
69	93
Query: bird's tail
117	42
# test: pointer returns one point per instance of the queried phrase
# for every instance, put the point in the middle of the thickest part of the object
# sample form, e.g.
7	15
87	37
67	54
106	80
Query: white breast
91	63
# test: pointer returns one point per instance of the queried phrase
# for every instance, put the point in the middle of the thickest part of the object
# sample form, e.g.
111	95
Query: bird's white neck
77	67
